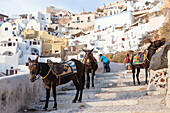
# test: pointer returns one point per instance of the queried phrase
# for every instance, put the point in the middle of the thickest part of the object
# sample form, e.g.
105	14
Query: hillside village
58	34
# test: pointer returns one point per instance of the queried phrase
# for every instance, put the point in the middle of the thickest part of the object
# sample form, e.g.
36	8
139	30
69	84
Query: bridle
90	57
37	71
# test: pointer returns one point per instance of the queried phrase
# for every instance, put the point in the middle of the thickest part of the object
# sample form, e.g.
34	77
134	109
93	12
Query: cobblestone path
113	93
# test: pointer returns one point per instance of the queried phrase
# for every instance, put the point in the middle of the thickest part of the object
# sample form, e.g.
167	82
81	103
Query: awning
78	34
141	15
134	24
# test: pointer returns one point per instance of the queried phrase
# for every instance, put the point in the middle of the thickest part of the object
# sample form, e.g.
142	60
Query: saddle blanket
140	57
69	68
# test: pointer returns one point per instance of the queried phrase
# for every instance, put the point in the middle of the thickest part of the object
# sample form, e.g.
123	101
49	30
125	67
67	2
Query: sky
16	7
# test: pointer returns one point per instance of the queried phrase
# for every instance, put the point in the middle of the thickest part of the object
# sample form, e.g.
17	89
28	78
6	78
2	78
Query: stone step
125	102
125	88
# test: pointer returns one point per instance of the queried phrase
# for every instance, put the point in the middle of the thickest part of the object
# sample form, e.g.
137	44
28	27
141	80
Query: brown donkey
151	51
52	79
91	66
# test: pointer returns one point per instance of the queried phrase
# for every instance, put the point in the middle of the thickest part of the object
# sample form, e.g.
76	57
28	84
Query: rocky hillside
165	31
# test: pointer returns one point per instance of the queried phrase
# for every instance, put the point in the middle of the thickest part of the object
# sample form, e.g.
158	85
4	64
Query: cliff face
165	31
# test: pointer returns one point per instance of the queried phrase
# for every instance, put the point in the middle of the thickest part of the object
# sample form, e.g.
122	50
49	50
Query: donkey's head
34	68
156	44
88	60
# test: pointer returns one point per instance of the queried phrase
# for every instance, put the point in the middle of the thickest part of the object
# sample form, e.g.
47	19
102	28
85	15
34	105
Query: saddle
57	68
64	68
140	57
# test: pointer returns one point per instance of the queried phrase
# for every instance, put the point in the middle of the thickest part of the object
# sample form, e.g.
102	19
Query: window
13	44
9	44
33	17
78	18
42	18
88	19
98	27
30	43
56	28
34	43
6	29
110	12
9	39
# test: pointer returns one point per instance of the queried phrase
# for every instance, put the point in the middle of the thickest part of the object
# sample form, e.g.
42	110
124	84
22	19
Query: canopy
79	34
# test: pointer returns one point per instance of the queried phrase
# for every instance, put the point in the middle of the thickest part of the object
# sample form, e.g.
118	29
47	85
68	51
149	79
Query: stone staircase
113	92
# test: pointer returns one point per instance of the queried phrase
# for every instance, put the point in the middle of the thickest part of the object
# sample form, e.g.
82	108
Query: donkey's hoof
55	107
74	101
93	87
45	108
87	87
79	101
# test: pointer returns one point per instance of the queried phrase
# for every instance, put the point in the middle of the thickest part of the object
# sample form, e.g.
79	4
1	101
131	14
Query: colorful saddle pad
69	68
140	57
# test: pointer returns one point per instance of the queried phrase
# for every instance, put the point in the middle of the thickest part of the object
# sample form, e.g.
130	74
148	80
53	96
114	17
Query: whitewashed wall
17	92
168	92
121	18
33	24
6	33
114	67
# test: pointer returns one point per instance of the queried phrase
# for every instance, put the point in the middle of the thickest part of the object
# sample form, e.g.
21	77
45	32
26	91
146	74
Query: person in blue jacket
105	61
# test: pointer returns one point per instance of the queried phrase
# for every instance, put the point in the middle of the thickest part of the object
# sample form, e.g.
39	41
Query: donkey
151	51
52	80
90	66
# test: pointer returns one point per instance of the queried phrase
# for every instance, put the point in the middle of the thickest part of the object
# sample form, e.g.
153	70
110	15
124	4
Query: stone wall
114	67
17	91
168	91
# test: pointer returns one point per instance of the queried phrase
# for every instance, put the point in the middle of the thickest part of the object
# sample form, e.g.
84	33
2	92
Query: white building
38	21
117	19
13	50
8	29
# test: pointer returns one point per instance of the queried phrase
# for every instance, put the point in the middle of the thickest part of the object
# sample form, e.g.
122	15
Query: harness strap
59	79
143	65
147	59
47	74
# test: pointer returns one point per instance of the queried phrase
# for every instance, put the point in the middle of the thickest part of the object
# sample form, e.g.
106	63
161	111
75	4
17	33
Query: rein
55	75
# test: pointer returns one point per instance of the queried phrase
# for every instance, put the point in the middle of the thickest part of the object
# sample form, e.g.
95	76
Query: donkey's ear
150	41
29	60
91	50
36	60
84	50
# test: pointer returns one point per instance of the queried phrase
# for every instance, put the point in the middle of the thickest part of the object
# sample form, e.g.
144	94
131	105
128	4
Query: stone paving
113	93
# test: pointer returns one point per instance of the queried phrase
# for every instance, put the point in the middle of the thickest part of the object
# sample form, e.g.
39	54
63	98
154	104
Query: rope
47	74
147	59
